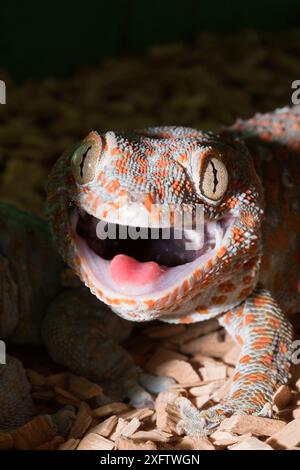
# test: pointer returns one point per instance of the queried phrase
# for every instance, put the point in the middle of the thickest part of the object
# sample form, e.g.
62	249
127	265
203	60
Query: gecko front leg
83	334
265	336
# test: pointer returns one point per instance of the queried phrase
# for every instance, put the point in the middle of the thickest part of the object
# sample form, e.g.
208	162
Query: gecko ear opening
85	158
214	179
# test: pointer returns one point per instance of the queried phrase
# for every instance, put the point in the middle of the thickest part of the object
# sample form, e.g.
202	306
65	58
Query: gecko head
159	223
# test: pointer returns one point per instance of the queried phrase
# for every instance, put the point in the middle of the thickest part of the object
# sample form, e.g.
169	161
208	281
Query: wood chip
196	330
224	438
33	434
37	380
121	424
83	388
166	414
203	401
141	414
130	428
213	373
69	397
60	380
162	355
206	389
232	355
70	444
6	441
242	424
82	421
180	370
282	397
106	427
210	345
194	443
95	442
154	435
296	413
287	437
110	409
222	392
124	443
250	443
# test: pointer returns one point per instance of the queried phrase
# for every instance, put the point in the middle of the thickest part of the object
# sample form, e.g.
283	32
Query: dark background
70	67
39	38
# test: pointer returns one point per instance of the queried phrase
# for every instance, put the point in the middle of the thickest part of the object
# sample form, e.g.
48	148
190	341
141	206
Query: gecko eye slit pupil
84	155
84	162
215	173
214	179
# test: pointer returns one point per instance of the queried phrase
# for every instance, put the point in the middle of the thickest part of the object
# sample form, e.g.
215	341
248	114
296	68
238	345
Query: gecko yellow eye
84	160
214	179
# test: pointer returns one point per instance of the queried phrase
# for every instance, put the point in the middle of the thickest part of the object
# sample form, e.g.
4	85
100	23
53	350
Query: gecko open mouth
145	264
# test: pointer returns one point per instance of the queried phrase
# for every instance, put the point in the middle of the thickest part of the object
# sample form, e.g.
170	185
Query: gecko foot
203	423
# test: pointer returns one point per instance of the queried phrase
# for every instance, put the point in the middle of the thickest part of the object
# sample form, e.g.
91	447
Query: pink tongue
127	270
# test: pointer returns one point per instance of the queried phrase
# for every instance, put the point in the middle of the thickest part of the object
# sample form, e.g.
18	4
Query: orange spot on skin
202	309
148	202
95	204
236	376
113	186
267	359
164	301
220	299
186	320
249	319
228	317
237	234
259	301
227	287
282	347
262	343
209	265
89	198
247	219
185	286
274	323
114	151
222	251
100	176
239	340
245	359
240	311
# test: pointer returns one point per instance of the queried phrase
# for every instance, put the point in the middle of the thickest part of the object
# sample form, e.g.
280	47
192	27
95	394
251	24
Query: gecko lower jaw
143	266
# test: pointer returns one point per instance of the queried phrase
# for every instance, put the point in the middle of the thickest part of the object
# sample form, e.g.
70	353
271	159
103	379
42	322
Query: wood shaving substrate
201	358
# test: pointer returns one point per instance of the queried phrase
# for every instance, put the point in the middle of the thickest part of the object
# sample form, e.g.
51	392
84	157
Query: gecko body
245	271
